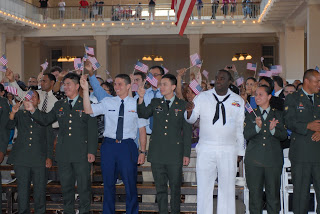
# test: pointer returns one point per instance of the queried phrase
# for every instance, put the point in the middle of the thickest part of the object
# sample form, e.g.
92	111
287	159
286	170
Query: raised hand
10	75
88	66
181	72
141	90
16	107
84	83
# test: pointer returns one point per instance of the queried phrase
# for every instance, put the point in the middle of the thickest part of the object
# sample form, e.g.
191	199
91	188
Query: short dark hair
308	73
51	77
266	88
278	80
1	87
33	88
171	77
269	81
74	77
159	67
251	78
143	75
297	88
227	72
111	88
55	68
125	77
290	85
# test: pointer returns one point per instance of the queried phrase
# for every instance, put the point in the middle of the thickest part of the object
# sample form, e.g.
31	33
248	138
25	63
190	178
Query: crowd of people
94	10
163	121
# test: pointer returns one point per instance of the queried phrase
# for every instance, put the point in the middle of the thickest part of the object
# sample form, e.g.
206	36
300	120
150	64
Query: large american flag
183	10
195	60
141	67
89	50
153	81
195	87
94	62
4	60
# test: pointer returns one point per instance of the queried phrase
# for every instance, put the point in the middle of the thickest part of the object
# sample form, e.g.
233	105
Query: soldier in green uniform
31	154
264	157
302	114
77	143
170	142
4	132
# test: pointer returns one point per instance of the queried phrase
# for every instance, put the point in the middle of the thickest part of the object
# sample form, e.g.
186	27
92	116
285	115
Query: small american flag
248	107
240	81
205	74
3	68
85	57
153	81
251	66
195	60
276	69
195	87
94	62
165	70
11	90
134	87
29	95
89	50
141	67
78	64
264	73
44	66
4	60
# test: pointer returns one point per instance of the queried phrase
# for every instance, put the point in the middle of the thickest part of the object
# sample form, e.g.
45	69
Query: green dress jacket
264	149
170	140
298	112
34	142
4	132
78	131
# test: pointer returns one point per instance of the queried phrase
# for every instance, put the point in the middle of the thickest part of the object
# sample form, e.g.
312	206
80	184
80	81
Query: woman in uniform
31	155
264	158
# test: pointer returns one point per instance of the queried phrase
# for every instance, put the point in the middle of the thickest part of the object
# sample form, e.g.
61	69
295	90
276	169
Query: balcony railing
127	12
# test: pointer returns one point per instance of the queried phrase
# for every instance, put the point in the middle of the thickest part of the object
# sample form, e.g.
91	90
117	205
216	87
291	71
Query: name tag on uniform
159	108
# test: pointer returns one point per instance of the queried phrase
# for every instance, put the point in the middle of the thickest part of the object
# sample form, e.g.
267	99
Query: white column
115	58
294	53
102	54
15	55
195	47
313	32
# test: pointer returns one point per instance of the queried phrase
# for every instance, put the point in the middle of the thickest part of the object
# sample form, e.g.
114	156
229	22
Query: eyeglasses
155	75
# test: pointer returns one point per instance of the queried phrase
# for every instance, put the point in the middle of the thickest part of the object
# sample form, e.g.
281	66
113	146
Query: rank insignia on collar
301	95
79	101
286	108
176	103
